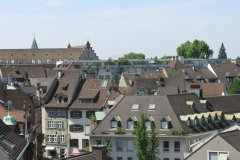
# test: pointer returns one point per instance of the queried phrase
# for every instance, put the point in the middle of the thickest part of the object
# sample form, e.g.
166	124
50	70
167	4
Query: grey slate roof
233	138
19	142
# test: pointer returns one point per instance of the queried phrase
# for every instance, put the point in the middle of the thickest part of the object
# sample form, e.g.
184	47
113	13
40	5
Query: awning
50	148
100	115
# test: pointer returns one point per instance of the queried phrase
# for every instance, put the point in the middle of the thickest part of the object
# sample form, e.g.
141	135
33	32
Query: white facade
128	151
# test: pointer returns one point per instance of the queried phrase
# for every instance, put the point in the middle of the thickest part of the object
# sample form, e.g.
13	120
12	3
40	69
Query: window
12	61
151	107
74	143
114	124
119	158
177	146
130	145
129	158
218	155
33	60
54	138
165	146
18	61
59	112
39	61
47	60
62	138
65	59
76	128
131	122
165	158
59	124
109	143
49	138
176	158
107	76
59	59
53	60
52	153
24	61
148	124
98	142
135	107
107	70
76	114
6	61
51	124
51	112
0	61
119	145
164	125
101	77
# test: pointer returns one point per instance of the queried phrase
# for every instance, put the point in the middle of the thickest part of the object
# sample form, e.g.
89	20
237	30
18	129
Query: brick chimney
100	151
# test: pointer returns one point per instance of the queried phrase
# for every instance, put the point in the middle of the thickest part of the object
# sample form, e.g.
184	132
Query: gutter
19	156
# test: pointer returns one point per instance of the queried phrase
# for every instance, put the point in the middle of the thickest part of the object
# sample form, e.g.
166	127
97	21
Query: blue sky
115	28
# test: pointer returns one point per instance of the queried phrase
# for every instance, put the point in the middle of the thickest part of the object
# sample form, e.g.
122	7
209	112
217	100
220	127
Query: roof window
151	107
135	107
6	142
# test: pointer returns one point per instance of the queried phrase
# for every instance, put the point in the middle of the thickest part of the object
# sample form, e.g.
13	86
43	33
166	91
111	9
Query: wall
4	156
216	144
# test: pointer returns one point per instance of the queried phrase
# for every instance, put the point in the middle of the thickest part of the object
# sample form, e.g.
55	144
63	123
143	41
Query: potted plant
217	122
93	119
118	130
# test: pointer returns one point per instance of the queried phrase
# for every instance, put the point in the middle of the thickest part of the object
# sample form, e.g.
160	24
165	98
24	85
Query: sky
117	27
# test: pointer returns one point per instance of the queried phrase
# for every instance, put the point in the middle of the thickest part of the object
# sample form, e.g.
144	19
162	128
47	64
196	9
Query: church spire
34	44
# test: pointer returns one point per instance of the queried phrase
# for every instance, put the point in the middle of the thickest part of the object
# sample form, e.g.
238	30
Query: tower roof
34	44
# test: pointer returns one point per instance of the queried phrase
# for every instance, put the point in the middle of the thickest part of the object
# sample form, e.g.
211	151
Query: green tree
154	144
234	88
156	60
166	57
110	61
195	49
132	55
222	54
238	58
147	147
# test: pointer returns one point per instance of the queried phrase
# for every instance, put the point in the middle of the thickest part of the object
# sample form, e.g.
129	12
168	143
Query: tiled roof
227	104
72	78
172	85
88	93
123	109
209	89
13	138
233	138
152	74
17	114
222	68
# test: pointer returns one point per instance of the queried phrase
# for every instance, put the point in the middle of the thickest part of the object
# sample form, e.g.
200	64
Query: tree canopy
222	54
195	49
234	87
132	55
147	147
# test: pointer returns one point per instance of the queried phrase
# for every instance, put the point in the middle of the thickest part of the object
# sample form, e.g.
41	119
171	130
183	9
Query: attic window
150	120
6	142
115	122
131	122
165	123
151	107
17	72
135	107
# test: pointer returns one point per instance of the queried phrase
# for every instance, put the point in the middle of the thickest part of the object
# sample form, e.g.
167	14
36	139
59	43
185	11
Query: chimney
100	151
135	87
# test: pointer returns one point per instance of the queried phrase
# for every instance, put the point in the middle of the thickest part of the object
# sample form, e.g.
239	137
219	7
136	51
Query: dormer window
131	122
115	122
62	100
165	123
195	122
57	99
189	122
150	120
135	107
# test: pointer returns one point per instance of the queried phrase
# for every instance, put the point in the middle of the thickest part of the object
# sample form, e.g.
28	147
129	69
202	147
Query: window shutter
71	114
81	128
55	124
77	143
62	125
70	128
71	143
51	138
58	138
87	114
80	114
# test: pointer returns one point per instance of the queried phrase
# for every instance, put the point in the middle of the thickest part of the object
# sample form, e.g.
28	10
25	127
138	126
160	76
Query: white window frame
130	123
6	61
54	138
49	138
129	145
107	77
119	146
59	124
218	152
107	70
12	61
62	138
148	125
114	122
51	112
33	61
48	60
51	124
39	61
164	125
165	149
59	112
101	77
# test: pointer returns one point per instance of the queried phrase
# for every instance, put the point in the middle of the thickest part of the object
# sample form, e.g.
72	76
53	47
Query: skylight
135	107
6	142
151	107
104	83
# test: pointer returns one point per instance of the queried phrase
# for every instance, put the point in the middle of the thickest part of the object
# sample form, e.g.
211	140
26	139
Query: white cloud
55	3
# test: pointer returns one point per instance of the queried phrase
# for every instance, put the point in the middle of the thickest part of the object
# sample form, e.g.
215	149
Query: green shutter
71	143
70	128
71	114
82	128
87	114
77	143
80	114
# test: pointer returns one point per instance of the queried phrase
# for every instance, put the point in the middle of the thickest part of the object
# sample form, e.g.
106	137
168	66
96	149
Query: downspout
20	155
